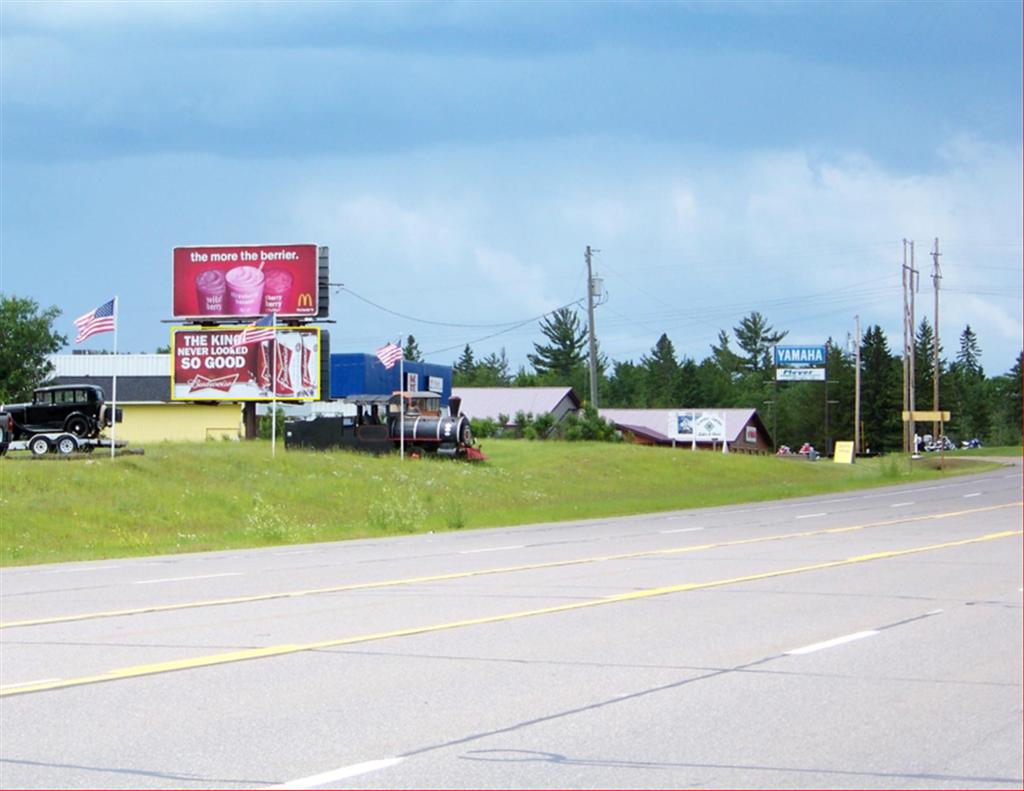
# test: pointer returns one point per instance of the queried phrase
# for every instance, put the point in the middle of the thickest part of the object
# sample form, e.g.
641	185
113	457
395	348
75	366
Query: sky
458	158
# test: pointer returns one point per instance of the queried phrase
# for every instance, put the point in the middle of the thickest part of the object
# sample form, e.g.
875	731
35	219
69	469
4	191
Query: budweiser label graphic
307	366
284	376
263	366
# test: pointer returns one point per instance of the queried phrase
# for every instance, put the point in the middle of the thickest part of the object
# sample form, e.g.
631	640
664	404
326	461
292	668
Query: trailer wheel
66	444
39	446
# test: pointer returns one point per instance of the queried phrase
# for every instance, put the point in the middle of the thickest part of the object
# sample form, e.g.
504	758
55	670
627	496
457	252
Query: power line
502	332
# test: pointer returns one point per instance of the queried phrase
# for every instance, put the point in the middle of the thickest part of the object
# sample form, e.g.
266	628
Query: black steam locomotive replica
382	424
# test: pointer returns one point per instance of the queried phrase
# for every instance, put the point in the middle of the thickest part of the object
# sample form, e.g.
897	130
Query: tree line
739	372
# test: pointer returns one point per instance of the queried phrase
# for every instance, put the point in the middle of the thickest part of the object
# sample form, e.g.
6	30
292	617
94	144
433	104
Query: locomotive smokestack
454	405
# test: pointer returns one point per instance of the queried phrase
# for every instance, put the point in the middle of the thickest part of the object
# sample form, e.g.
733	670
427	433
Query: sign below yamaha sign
800	374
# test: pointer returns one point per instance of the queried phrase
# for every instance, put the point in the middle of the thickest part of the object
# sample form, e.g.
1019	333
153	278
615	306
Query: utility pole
856	394
909	286
590	323
936	277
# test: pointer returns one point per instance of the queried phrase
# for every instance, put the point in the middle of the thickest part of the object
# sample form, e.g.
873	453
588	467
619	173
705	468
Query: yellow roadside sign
843	452
925	417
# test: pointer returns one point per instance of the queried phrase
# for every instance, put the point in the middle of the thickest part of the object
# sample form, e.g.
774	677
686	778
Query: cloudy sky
457	158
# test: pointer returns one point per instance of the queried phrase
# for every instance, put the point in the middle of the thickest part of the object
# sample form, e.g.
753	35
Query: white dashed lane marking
849	638
185	579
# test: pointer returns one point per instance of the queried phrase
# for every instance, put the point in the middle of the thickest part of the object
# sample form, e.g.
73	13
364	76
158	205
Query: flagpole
113	389
401	407
273	390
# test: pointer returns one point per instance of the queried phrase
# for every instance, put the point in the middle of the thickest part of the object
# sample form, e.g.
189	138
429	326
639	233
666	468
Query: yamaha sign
800	363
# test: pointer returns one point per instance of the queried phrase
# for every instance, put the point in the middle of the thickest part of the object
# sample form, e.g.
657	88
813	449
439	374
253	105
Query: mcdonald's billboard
244	281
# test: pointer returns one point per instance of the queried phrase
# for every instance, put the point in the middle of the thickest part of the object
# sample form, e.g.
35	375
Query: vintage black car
5	432
78	409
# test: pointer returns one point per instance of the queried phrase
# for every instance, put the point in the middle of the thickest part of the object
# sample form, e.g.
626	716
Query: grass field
220	495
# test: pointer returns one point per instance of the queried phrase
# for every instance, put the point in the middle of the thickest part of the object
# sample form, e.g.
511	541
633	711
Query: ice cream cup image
210	288
245	290
277	289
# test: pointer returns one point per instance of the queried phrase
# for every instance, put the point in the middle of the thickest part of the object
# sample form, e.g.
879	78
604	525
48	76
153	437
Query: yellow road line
483	572
280	650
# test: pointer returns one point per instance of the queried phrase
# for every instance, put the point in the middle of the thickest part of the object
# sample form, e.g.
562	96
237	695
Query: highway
870	639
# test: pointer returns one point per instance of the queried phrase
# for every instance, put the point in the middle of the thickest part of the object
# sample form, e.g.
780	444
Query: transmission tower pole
590	323
856	395
910	284
936	277
914	286
906	405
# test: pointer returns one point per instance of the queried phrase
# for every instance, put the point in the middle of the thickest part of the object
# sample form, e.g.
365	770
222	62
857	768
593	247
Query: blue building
364	374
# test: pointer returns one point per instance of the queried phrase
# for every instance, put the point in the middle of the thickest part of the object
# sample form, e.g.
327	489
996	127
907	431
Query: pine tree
626	387
411	351
968	359
727	361
757	338
924	366
661	371
492	371
971	416
464	369
880	393
562	359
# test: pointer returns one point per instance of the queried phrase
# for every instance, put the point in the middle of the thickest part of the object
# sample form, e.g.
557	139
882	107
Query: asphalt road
863	640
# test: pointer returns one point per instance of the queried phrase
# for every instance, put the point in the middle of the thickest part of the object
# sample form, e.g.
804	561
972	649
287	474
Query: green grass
994	450
220	495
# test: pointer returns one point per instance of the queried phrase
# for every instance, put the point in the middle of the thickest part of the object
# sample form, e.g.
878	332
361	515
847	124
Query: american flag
95	321
260	330
389	355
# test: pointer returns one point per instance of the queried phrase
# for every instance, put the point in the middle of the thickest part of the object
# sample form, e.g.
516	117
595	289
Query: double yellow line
484	572
293	648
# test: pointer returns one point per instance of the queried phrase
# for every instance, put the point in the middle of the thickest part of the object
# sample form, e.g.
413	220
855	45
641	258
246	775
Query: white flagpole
401	407
273	392
113	389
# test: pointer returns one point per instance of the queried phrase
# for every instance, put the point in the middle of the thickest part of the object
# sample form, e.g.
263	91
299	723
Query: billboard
800	363
244	281
690	426
800	374
220	365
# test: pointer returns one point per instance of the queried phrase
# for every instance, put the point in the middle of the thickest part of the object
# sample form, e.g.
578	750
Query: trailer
61	443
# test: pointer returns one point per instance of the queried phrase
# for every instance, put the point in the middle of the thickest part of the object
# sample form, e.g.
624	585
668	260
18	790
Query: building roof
100	365
130	389
489	402
653	423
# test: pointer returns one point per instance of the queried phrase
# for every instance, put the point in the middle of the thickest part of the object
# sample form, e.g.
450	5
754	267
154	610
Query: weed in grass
889	469
265	523
454	515
393	513
134	539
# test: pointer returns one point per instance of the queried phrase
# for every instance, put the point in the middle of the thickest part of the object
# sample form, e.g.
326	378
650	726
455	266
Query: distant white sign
800	374
435	384
690	426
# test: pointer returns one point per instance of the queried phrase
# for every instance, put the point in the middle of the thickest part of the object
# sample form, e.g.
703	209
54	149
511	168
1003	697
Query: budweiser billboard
245	280
221	365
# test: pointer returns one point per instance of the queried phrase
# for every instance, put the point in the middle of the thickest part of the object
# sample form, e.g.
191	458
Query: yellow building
144	397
